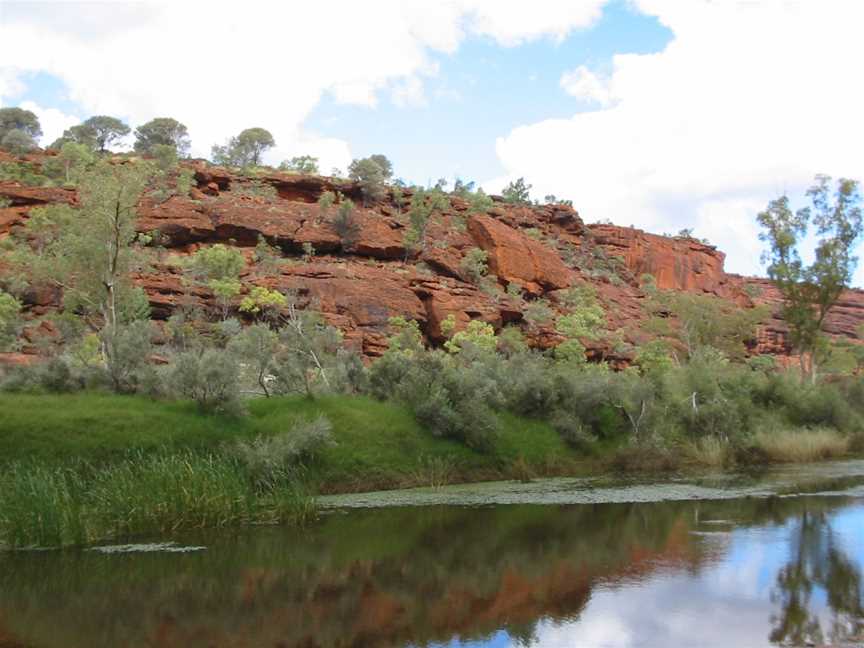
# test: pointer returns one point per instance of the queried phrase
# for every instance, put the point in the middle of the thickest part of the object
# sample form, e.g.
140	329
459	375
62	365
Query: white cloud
747	101
52	120
582	83
513	22
225	66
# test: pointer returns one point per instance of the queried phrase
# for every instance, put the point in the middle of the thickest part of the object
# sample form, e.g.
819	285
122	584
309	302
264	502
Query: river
724	560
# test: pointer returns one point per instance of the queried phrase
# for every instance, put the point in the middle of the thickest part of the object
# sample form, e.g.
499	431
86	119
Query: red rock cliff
538	250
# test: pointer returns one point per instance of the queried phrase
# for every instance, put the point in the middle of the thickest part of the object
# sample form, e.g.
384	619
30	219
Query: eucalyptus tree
810	291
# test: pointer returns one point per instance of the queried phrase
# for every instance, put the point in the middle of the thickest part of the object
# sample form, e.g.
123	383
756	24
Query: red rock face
516	258
675	263
360	286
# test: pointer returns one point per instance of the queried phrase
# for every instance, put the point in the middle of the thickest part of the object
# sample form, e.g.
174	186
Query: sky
662	114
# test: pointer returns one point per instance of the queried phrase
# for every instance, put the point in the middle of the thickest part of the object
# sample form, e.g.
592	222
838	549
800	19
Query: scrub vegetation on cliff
297	332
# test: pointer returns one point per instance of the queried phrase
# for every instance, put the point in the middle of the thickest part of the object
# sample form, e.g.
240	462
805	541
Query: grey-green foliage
78	134
129	361
453	396
478	201
255	189
518	192
474	265
268	258
425	204
345	223
55	375
18	119
91	252
275	459
308	352
218	262
301	164
72	162
165	131
257	347
17	141
209	377
371	173
10	319
244	149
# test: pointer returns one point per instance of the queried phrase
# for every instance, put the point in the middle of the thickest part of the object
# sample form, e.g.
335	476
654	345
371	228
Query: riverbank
89	467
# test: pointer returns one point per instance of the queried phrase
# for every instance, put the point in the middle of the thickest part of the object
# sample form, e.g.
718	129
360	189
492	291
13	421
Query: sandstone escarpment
533	252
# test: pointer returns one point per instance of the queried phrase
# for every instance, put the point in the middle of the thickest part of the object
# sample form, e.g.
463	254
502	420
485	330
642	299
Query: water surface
722	561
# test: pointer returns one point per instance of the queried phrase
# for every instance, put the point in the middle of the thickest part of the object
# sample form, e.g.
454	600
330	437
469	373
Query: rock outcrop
533	252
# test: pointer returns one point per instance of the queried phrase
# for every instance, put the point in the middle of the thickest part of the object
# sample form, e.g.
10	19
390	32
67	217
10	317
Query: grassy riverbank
88	467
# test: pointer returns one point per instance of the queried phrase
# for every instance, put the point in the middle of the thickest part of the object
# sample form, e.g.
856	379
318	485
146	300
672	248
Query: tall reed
43	505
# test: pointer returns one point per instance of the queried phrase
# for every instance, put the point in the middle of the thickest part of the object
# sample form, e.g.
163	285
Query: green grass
377	444
86	467
95	427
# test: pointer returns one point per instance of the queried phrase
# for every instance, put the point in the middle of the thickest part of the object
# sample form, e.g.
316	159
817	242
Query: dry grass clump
786	446
707	451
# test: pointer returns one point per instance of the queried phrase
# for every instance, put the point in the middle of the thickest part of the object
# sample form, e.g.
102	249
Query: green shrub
345	223
474	265
209	377
572	430
451	398
274	459
10	320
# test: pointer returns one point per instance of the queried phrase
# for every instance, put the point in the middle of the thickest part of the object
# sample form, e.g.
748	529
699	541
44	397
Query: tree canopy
810	291
162	130
244	149
517	192
302	164
17	141
18	119
106	130
371	172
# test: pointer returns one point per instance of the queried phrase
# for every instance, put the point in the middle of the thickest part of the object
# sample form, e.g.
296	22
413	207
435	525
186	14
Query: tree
245	149
90	253
18	119
219	267
309	350
371	173
424	205
162	130
78	134
517	192
70	164
17	141
302	164
257	345
106	130
810	291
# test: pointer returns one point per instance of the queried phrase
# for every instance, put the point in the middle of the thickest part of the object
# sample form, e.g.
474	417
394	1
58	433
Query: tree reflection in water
456	576
818	561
